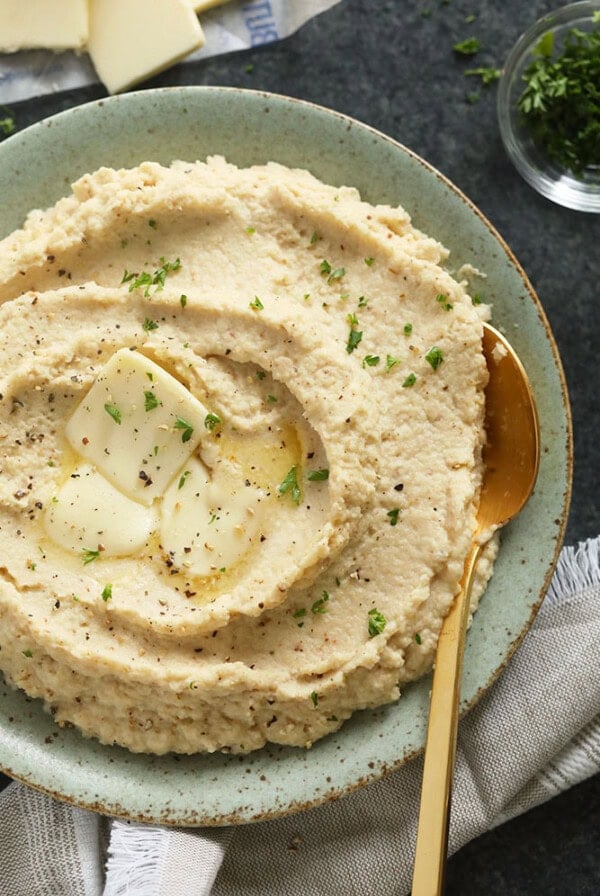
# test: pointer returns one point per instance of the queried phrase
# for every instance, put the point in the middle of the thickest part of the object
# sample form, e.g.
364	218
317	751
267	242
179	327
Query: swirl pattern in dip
240	452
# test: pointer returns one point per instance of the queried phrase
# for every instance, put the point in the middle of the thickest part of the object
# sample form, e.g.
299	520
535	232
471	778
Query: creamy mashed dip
241	420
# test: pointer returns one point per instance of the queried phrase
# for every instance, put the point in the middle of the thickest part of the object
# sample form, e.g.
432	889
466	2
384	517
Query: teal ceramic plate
36	168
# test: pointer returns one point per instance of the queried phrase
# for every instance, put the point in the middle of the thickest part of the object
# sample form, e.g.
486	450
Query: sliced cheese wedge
131	40
89	514
33	24
208	525
138	425
202	5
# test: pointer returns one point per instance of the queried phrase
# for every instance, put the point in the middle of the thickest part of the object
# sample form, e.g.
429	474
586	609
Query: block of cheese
202	5
133	40
33	24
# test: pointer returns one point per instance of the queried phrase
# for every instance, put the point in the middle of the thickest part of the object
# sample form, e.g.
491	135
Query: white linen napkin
535	733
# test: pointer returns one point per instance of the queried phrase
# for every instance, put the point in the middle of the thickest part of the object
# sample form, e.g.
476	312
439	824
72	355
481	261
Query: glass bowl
548	177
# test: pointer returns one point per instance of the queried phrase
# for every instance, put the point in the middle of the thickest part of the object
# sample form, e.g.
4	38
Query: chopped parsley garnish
314	238
336	275
167	267
376	621
290	484
354	336
128	276
149	325
256	304
29	654
371	360
147	280
89	555
107	592
7	126
319	605
468	47
152	224
362	302
186	429
318	475
327	271
410	380
113	411
393	516
442	300
476	299
560	104
260	374
315	699
212	420
487	75
408	328
391	362
369	261
272	399
183	300
418	638
434	357
182	479
298	614
250	230
150	400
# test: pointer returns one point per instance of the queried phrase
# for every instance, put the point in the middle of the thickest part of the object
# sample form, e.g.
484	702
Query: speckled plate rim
36	167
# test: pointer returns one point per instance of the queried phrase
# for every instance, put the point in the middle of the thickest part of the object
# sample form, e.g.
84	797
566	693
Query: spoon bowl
511	462
511	454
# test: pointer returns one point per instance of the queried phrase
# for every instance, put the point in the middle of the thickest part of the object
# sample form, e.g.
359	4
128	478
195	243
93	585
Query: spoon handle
440	748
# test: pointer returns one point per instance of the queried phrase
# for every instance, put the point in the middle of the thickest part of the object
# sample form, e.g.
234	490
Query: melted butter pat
133	480
88	512
253	466
207	525
138	425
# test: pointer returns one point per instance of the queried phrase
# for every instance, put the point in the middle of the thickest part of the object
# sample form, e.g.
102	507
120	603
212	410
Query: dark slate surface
390	64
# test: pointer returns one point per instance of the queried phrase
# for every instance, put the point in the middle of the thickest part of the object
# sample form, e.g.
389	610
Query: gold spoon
511	460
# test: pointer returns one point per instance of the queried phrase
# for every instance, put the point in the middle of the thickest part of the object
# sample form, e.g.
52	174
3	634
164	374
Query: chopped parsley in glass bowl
549	106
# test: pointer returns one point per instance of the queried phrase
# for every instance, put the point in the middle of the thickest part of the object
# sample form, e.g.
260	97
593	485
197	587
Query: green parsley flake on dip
225	519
